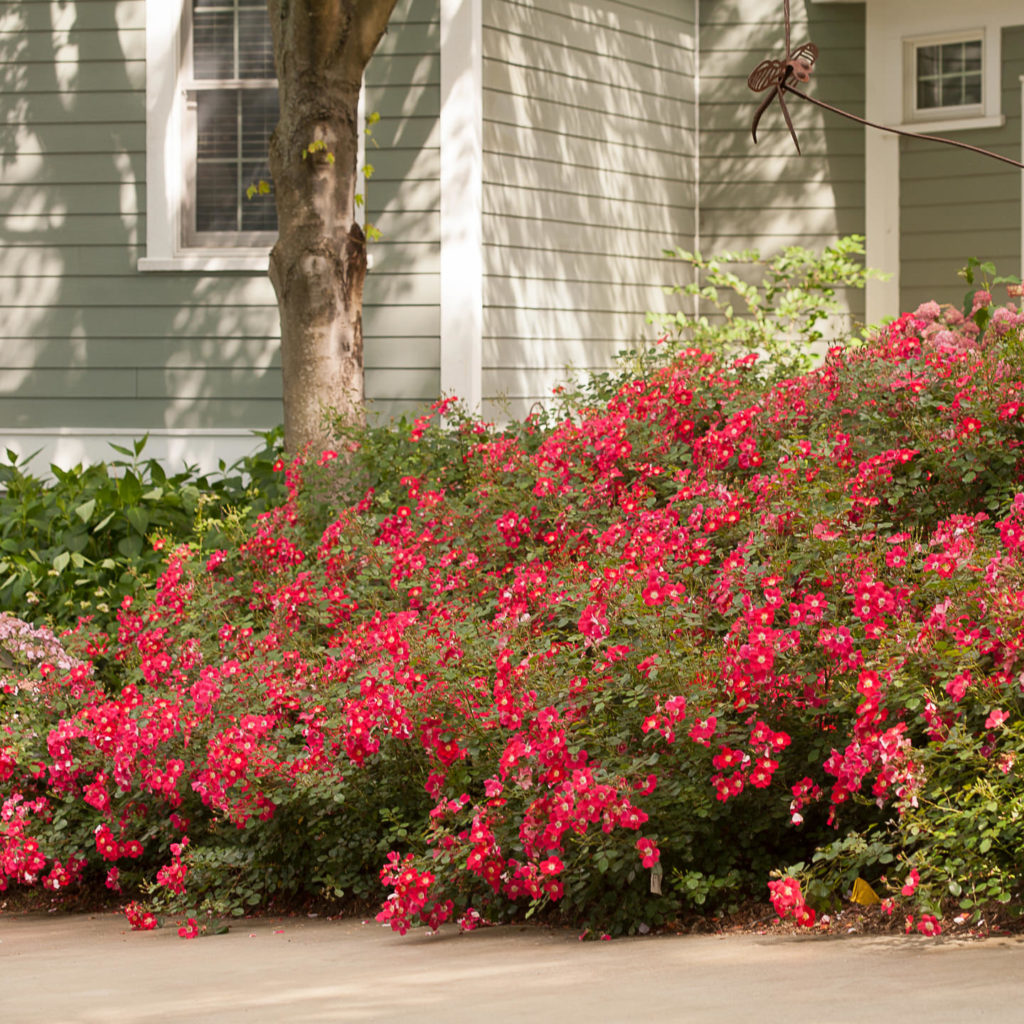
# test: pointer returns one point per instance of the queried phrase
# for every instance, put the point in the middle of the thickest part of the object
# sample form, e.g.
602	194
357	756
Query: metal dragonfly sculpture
777	74
780	77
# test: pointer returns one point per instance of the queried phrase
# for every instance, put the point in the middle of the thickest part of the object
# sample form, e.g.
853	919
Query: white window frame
237	242
986	114
167	74
940	113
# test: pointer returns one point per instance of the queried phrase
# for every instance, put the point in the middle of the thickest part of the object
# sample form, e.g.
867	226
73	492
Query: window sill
960	124
209	262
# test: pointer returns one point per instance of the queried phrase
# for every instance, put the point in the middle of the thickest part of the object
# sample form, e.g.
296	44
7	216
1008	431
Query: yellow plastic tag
863	893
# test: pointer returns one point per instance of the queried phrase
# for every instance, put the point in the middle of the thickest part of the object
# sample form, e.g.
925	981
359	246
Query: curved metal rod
900	131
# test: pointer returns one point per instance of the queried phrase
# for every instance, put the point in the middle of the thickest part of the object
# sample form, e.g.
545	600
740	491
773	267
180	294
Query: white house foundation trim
462	200
66	447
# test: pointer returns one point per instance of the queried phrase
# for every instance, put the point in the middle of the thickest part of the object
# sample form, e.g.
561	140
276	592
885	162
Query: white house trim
66	447
696	133
888	27
883	89
462	150
163	129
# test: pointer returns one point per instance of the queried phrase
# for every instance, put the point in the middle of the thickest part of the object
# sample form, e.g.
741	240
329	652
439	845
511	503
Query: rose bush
633	657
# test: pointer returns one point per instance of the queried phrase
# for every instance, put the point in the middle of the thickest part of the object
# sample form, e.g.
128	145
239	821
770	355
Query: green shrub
781	318
77	542
606	667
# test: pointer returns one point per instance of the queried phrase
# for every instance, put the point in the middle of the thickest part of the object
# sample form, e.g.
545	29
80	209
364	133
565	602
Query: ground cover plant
74	541
693	636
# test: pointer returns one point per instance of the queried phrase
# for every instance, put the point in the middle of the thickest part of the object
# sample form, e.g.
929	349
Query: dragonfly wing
766	74
808	53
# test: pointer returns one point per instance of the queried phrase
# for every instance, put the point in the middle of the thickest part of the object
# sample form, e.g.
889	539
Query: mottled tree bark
318	266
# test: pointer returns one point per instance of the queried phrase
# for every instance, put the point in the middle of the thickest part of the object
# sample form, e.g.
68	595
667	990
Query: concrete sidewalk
93	970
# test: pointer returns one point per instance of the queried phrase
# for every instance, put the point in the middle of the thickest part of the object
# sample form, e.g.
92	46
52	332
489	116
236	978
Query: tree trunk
318	266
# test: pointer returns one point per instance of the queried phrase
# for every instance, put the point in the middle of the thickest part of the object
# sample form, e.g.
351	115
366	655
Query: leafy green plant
781	316
981	277
76	542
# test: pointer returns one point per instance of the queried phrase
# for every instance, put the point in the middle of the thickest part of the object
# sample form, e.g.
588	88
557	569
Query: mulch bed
752	919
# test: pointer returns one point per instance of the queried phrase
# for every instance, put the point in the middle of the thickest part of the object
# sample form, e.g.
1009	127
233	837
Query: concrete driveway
93	970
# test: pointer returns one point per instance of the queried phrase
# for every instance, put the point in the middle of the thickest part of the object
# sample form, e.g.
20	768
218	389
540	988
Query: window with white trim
230	112
946	77
211	105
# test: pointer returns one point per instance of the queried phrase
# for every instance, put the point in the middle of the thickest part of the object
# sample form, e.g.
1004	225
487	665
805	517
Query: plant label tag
656	873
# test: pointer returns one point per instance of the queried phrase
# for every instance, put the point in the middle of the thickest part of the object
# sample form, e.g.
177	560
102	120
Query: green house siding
588	174
768	196
596	157
955	204
401	315
88	341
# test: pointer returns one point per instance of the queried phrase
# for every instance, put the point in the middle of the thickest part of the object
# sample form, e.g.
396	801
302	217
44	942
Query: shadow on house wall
87	342
589	174
766	195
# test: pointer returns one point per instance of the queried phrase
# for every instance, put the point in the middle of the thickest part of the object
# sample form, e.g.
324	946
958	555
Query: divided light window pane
255	46
213	44
233	126
231	44
949	75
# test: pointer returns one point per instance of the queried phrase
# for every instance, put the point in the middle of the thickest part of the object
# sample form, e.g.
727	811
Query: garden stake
778	75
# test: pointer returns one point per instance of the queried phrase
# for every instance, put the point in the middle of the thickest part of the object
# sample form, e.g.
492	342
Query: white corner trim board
163	129
462	200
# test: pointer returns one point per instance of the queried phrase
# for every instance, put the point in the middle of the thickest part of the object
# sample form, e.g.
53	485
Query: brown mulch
850	919
751	919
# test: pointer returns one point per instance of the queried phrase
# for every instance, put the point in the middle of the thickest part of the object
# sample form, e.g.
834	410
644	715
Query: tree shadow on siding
87	341
589	142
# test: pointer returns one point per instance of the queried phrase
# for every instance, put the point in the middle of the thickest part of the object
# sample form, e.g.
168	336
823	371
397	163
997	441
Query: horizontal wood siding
957	204
88	341
401	317
765	195
589	145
